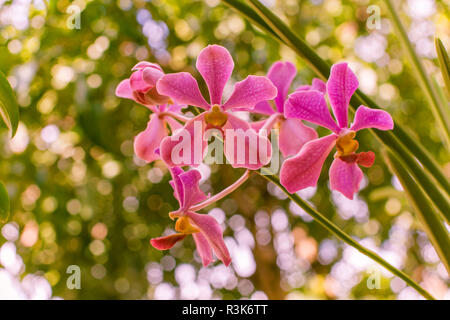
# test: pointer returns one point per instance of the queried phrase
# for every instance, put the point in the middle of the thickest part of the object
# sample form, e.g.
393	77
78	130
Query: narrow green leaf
437	110
330	226
444	62
397	140
9	110
4	204
425	212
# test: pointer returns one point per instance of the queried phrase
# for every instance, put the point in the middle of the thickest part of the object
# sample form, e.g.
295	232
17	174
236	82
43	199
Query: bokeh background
80	197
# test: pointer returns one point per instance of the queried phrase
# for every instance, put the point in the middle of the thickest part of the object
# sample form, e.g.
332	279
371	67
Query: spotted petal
215	64
303	170
345	177
372	118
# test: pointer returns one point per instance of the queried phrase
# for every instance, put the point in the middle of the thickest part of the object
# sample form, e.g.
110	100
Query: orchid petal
149	140
372	118
146	64
293	135
185	147
317	85
262	107
341	85
137	82
151	75
243	146
165	243
191	191
212	231
182	88
123	90
310	106
215	64
345	177
203	248
281	74
303	170
248	92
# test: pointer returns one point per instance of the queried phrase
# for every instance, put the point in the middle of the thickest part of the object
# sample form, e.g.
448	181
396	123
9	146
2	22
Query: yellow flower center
215	117
346	145
183	225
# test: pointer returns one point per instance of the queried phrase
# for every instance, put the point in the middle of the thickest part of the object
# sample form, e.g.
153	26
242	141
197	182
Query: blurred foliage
80	197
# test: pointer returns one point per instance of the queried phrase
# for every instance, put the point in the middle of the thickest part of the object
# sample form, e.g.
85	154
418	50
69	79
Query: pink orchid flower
205	229
293	133
141	87
303	169
215	64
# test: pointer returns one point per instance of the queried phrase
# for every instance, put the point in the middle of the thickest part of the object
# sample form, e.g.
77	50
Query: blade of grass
424	210
433	100
330	226
444	62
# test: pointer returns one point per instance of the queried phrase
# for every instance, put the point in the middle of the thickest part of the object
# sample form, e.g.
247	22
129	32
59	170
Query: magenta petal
310	106
165	243
190	184
345	177
186	146
341	85
319	85
151	76
243	147
211	230
372	118
182	88
137	82
203	248
293	135
215	65
177	186
262	107
248	92
149	140
146	64
173	124
281	74
303	170
123	90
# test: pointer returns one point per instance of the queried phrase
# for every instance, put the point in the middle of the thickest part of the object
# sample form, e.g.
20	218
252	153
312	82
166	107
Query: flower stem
223	193
330	226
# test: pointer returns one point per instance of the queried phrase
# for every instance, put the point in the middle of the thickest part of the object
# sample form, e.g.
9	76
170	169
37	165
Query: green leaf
437	109
425	212
444	62
9	110
4	204
330	226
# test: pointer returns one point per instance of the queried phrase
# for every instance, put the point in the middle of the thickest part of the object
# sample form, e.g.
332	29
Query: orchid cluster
178	139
